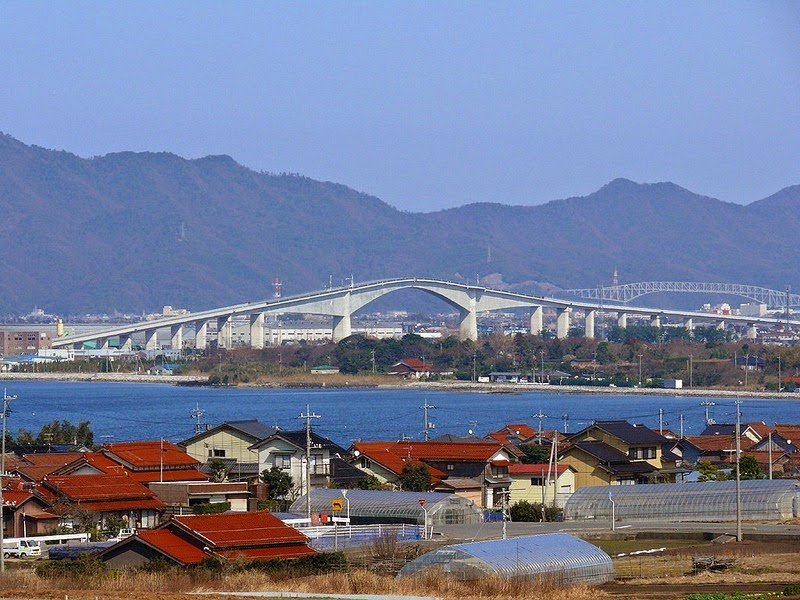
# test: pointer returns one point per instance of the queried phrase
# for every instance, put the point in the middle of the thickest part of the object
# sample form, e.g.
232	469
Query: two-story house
477	470
287	451
618	452
231	442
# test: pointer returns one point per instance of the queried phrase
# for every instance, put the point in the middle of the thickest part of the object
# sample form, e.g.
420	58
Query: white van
22	549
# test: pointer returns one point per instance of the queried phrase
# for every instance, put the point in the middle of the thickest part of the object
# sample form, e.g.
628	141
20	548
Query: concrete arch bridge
341	303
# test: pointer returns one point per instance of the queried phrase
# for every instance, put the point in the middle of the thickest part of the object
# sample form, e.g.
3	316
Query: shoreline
459	386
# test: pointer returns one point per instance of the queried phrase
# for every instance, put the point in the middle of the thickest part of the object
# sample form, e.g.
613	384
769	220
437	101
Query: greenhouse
379	506
554	557
762	499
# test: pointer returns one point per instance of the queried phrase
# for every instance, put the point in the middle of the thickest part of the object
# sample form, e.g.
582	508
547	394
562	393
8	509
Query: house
183	496
477	471
231	442
751	432
287	451
157	460
513	433
26	511
93	499
530	483
618	452
750	362
415	368
324	370
506	377
163	369
188	540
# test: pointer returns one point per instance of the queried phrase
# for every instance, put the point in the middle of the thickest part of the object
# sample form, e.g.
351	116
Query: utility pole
691	384
308	416
707	404
769	448
746	368
161	462
6	400
504	507
197	414
780	386
565	416
661	421
427	425
541	353
540	415
373	361
681	425
474	367
640	369
738	472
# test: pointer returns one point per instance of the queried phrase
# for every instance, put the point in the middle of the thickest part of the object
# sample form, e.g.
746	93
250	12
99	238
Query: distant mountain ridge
133	231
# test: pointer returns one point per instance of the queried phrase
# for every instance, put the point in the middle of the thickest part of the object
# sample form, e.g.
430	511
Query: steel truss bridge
341	303
630	291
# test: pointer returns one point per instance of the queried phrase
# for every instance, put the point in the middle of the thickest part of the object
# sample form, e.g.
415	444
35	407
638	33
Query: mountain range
134	231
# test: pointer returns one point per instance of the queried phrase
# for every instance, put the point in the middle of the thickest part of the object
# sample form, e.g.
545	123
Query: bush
82	567
313	564
211	508
532	512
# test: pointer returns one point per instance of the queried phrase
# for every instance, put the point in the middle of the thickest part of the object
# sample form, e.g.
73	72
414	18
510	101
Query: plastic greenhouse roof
389	504
708	501
566	558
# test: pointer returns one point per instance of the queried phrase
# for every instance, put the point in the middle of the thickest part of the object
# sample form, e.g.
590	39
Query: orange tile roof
788	431
521	429
15	497
539	470
150	454
153	475
761	428
718	443
293	551
172	545
433	451
52	459
240	529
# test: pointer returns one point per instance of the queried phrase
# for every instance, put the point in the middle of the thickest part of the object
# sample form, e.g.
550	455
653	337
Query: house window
217	453
366	463
642	453
283	461
537	481
450	467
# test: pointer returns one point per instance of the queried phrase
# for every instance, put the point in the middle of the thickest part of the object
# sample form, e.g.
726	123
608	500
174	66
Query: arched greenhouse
554	557
381	506
713	501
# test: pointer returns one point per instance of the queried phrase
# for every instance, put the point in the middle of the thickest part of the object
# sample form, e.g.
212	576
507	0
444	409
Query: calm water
121	411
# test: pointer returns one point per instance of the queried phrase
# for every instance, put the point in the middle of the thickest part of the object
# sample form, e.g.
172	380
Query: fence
338	537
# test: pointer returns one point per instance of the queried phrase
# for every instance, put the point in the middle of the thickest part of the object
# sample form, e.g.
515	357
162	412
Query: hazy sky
424	104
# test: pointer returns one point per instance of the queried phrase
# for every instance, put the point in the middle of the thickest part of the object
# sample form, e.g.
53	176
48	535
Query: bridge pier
562	322
468	328
622	320
125	342
655	321
224	331
721	325
342	328
151	339
537	321
257	330
752	331
588	326
176	337
102	343
689	324
201	335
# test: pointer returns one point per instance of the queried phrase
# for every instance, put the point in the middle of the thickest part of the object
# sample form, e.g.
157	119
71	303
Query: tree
535	454
750	469
218	470
279	483
710	472
64	432
533	512
415	477
370	482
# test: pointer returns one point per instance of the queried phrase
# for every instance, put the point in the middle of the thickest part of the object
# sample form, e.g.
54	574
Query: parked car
21	549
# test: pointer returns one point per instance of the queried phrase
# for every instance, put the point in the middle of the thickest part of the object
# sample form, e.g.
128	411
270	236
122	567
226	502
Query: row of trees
56	432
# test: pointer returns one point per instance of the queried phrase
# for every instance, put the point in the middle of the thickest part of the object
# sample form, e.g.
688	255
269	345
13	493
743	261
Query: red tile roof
427	451
104	492
293	551
718	443
52	459
788	431
538	470
169	475
150	454
15	497
241	529
172	545
761	428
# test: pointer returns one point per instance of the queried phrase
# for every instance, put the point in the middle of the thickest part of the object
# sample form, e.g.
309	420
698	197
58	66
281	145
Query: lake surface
124	411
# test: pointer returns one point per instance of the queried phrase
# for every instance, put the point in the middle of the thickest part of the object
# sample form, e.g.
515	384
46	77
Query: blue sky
424	104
